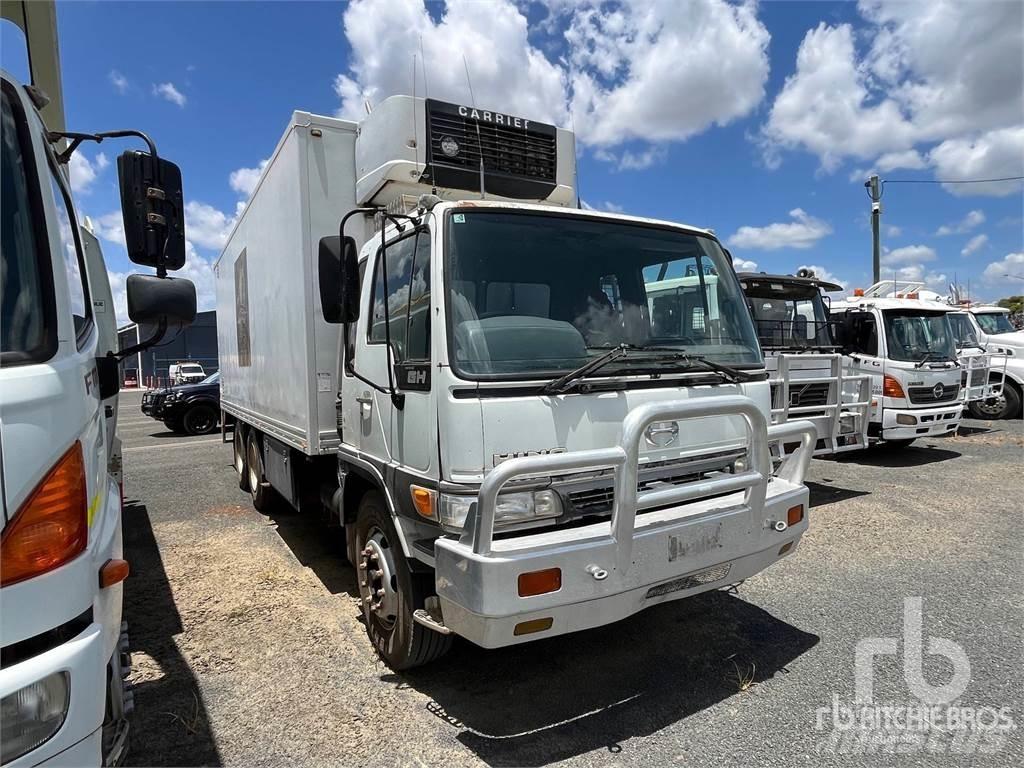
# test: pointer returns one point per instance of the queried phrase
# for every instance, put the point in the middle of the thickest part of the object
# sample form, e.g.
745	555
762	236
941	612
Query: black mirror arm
161	329
77	138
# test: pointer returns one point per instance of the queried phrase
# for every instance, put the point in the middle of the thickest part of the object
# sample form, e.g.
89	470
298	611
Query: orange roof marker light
858	291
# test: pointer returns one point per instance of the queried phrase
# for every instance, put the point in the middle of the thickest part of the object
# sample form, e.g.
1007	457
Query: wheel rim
378	579
200	421
254	479
992	407
239	456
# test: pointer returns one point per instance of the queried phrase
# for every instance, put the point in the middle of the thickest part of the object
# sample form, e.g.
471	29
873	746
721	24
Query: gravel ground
249	647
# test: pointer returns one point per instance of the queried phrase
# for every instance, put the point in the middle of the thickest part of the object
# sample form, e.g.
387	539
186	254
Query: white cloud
119	81
507	72
83	173
882	91
206	226
909	158
908	254
976	243
893	231
661	71
632	161
823	274
744	265
244	180
966	224
1012	264
803	232
109	227
916	273
171	93
993	155
615	81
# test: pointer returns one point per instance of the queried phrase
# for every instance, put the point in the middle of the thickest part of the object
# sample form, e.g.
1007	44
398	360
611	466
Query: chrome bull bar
985	374
624	458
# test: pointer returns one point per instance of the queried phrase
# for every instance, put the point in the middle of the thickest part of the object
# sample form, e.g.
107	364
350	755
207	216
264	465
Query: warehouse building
195	344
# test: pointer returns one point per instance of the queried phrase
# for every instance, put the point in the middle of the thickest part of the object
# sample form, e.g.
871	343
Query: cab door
864	355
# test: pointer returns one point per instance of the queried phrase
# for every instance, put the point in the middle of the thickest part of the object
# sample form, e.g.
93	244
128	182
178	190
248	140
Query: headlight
512	508
32	714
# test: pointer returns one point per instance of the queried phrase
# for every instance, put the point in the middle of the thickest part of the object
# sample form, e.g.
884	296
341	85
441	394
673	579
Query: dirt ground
249	647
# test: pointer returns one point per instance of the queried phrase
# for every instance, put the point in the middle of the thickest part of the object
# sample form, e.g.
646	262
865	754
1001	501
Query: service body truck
475	388
906	346
990	328
64	697
808	376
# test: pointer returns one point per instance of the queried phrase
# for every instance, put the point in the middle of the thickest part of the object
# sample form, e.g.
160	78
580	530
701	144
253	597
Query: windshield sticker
459	218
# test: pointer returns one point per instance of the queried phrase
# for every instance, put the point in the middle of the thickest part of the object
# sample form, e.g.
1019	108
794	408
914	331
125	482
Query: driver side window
408	297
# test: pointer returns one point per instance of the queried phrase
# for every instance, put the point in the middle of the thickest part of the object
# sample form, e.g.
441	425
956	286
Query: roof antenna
415	135
426	130
479	142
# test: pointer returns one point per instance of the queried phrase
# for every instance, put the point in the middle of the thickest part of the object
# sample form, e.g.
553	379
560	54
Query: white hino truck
809	379
64	698
906	345
420	333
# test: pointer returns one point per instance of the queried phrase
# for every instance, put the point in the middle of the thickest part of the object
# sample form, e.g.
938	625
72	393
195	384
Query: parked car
131	379
186	373
190	408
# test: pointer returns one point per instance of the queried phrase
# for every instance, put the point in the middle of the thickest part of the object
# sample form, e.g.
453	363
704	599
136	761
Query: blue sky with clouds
760	121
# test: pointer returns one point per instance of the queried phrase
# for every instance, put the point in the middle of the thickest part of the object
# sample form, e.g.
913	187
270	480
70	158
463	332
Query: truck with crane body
423	338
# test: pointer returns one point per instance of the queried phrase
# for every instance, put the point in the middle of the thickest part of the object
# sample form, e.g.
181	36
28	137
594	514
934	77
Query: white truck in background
808	376
64	699
906	345
476	389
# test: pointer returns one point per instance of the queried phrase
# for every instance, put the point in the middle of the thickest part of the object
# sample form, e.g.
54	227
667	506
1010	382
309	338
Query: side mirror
154	299
339	279
152	205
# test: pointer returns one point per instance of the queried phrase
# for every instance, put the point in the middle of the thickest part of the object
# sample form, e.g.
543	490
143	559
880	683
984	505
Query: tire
238	449
173	425
397	639
259	488
899	443
1006	406
200	419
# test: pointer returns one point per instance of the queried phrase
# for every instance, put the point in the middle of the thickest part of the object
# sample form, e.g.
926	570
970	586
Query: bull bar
718	530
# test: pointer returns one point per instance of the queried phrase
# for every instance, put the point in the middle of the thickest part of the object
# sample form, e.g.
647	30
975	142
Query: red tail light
51	527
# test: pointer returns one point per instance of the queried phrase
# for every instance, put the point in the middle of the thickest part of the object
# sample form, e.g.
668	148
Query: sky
760	121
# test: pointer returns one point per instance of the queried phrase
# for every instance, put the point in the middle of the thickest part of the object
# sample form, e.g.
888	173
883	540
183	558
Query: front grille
926	395
506	150
808	394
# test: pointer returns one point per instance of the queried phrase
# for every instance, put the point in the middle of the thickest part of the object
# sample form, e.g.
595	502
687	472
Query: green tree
1012	303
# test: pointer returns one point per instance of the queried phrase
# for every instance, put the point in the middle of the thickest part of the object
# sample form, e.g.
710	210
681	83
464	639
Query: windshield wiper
930	356
664	355
561	384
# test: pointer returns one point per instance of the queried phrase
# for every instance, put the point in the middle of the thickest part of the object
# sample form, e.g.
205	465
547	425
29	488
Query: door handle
366	398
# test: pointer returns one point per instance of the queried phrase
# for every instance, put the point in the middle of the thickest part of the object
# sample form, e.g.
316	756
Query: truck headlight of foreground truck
518	507
33	714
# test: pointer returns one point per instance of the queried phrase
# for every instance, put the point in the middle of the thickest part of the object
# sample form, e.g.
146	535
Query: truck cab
63	689
530	419
808	377
991	329
906	345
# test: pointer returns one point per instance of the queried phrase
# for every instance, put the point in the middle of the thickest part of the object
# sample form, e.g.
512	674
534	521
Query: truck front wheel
1005	406
390	592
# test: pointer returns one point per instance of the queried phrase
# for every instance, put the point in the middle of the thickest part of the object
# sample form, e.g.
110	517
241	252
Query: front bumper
688	538
152	405
928	421
77	740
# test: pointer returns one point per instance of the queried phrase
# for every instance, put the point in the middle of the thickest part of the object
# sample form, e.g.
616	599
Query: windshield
213	378
788	316
995	322
963	330
536	294
912	335
191	369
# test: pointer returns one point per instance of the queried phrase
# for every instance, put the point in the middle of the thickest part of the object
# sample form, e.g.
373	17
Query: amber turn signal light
794	515
540	582
423	501
533	625
113	572
50	528
891	387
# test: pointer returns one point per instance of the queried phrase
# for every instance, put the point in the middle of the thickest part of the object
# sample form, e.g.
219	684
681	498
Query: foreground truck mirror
339	279
162	300
153	210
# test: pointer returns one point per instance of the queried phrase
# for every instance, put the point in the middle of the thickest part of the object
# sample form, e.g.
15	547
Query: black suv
190	408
